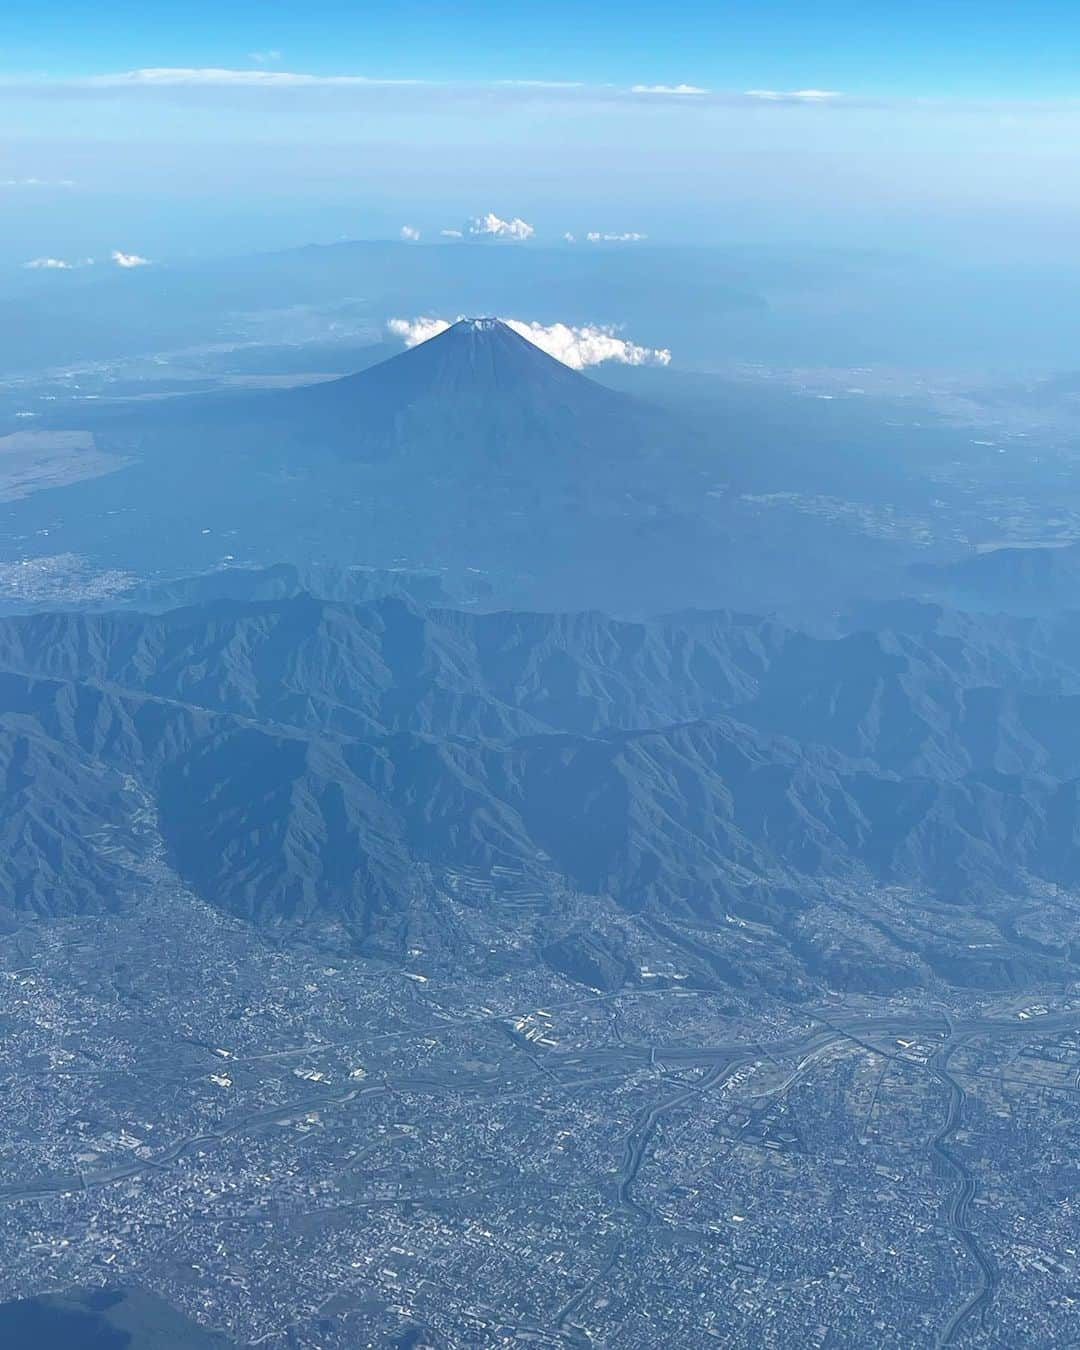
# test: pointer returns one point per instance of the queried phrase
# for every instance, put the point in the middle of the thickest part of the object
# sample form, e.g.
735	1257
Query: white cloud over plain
48	265
575	346
452	234
128	260
628	237
492	227
410	232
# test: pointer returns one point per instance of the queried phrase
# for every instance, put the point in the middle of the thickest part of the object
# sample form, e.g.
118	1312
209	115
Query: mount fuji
474	451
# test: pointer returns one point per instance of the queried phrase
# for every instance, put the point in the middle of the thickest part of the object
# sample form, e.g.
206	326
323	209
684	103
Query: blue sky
171	129
989	48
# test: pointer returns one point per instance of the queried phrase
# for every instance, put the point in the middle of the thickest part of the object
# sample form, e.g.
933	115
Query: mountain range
305	764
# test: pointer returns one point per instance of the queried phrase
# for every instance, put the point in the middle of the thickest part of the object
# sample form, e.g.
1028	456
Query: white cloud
541	84
667	89
570	238
575	346
48	265
491	226
410	232
629	237
263	74
165	77
588	345
414	331
128	259
451	234
793	95
264	58
37	182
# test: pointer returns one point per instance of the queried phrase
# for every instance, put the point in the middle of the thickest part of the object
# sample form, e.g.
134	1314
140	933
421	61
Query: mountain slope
392	665
940	697
67	827
478	390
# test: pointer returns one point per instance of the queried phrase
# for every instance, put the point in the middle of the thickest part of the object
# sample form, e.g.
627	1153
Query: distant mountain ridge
1011	580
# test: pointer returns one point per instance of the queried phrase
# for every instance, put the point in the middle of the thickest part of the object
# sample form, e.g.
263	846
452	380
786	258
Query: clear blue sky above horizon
979	48
197	128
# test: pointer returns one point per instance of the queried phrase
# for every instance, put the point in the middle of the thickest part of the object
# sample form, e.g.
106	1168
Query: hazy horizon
953	133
